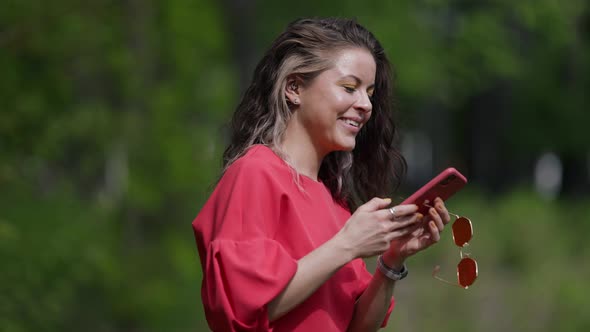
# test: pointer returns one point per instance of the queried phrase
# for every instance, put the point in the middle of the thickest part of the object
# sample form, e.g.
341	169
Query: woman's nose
364	103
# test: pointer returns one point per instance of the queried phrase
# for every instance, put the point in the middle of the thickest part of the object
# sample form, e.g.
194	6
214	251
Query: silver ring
392	210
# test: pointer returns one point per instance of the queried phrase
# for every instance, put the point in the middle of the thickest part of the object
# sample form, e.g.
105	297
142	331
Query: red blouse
250	233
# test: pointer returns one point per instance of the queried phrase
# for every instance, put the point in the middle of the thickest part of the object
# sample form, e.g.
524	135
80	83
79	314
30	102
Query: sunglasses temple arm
451	213
435	276
454	215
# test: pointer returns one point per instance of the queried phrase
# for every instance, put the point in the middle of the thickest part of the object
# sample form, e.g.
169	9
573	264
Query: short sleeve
244	268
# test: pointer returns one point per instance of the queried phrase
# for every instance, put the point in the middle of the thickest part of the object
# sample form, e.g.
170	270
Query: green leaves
112	128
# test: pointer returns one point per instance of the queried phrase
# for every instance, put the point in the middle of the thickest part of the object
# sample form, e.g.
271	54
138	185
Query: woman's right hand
371	228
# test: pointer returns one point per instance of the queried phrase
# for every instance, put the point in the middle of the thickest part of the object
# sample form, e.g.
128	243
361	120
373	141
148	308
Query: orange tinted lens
462	231
467	272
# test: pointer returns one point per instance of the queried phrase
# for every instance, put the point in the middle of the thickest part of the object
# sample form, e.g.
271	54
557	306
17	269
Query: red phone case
444	185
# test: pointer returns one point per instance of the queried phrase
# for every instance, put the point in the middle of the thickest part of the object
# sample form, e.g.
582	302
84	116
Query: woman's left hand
426	234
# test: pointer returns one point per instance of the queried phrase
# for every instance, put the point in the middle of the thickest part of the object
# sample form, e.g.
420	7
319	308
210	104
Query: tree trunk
241	23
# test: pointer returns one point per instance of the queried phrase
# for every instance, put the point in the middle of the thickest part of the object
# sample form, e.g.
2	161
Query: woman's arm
312	271
372	305
368	232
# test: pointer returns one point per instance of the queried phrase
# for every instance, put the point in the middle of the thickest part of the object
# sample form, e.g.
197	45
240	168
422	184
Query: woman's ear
293	90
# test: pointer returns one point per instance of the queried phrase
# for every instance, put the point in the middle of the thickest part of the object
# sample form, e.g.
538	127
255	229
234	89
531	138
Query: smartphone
444	185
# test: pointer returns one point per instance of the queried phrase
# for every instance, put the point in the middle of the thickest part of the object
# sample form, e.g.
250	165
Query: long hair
375	167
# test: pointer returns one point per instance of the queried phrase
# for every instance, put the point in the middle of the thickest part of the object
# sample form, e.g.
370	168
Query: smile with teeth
352	122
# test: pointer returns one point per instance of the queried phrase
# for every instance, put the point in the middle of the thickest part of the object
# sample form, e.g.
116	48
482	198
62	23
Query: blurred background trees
112	126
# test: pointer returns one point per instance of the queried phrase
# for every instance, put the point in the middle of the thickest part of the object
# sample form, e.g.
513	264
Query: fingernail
388	199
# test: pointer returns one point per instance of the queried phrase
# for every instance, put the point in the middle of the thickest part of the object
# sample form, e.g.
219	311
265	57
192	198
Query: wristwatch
389	272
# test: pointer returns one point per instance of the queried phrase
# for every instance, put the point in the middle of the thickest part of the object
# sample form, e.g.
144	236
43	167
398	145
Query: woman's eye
349	89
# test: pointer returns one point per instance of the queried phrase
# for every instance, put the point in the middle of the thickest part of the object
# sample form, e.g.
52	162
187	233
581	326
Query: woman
312	137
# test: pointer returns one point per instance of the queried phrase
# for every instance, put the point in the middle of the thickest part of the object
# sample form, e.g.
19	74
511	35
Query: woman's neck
301	153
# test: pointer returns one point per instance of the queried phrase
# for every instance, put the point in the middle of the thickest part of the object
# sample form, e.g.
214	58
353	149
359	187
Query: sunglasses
467	267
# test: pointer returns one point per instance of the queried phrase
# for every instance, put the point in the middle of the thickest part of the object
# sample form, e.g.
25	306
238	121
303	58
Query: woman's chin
348	146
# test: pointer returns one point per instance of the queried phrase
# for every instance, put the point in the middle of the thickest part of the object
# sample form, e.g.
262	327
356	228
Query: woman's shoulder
258	161
257	157
259	154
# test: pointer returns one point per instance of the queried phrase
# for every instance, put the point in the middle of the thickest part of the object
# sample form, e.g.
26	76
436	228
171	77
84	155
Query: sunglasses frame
465	257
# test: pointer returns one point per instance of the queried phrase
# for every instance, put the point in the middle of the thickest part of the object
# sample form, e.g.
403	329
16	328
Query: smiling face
334	106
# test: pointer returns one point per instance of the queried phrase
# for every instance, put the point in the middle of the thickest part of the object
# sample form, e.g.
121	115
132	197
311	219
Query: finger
389	215
434	233
375	204
399	233
429	236
437	219
419	231
405	221
384	215
442	210
402	210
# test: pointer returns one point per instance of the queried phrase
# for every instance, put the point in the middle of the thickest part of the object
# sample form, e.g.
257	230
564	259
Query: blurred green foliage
111	133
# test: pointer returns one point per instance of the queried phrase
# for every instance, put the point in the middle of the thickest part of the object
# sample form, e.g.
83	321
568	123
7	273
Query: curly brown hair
375	167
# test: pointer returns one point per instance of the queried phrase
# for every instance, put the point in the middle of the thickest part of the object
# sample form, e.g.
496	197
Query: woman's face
336	104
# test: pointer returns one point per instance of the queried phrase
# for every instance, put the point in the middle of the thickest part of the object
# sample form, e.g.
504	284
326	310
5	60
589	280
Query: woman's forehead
354	63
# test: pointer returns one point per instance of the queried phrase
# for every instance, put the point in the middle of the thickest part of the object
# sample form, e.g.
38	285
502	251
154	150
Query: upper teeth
352	122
